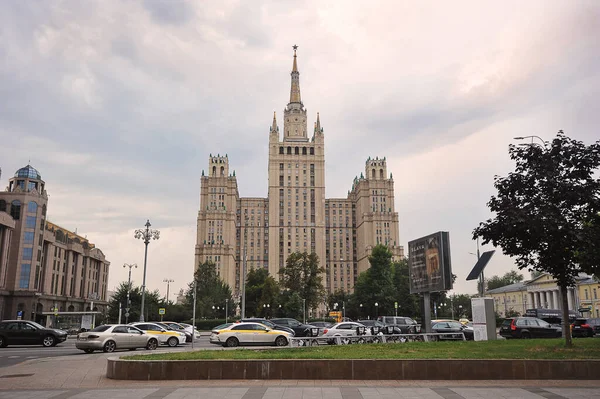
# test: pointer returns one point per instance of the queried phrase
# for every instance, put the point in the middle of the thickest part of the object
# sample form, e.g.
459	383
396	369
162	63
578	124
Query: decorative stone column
530	300
569	299
555	295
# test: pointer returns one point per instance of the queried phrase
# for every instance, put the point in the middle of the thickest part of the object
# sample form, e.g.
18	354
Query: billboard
429	263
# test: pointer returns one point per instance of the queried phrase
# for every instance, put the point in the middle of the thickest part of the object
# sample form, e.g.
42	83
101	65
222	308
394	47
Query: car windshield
163	325
33	323
100	329
222	326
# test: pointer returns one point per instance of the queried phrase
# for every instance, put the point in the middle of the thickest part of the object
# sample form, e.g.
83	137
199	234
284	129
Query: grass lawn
501	349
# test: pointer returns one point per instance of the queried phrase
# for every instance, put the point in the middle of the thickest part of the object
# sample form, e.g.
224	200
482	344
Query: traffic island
353	369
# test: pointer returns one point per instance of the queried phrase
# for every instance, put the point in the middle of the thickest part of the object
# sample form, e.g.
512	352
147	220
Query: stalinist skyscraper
295	216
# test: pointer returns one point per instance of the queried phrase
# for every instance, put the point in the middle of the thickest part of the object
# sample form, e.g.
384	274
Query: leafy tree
408	304
210	291
376	285
153	302
508	278
303	276
255	281
543	210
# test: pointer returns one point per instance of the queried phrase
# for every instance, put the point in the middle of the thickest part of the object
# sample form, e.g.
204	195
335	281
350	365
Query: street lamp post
145	235
128	304
226	309
168	281
360	306
266	307
303	311
481	277
459	311
376	310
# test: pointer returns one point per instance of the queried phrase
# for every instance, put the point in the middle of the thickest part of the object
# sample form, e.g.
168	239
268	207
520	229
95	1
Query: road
16	354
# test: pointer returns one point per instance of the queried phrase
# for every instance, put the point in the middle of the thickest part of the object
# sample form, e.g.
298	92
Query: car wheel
281	341
525	335
88	350
172	342
232	342
49	341
2	342
152	344
110	346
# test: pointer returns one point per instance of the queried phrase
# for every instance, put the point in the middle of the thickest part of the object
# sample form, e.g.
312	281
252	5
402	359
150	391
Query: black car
405	324
25	332
269	324
583	328
528	327
300	330
453	329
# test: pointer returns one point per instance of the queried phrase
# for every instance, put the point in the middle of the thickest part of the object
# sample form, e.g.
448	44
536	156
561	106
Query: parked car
269	324
454	327
110	337
321	325
528	327
25	332
248	334
376	326
164	336
595	324
300	330
582	328
343	330
406	324
176	327
192	329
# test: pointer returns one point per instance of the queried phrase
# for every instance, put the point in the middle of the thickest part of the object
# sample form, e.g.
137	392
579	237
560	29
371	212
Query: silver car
343	330
109	337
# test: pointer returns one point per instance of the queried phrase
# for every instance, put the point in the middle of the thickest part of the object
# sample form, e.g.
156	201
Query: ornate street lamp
145	235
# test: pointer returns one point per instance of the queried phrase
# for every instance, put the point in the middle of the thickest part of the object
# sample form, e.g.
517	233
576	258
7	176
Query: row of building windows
296	150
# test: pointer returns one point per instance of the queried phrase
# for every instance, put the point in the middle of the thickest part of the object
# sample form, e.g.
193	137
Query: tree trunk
566	325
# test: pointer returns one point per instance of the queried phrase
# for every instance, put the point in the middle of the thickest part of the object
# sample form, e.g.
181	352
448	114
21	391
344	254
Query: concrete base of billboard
362	369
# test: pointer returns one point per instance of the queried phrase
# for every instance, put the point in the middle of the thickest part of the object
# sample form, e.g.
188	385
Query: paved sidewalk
84	376
359	392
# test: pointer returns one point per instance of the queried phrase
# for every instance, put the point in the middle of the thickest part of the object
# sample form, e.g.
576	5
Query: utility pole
168	281
194	316
243	277
128	304
481	278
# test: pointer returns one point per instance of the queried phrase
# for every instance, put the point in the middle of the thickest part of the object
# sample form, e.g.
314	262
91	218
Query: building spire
295	90
274	126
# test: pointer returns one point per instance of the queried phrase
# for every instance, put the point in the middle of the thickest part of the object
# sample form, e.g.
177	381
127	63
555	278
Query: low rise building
47	273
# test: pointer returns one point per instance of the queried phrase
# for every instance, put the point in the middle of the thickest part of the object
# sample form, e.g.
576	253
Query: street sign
55	311
161	311
395	305
127	314
19	314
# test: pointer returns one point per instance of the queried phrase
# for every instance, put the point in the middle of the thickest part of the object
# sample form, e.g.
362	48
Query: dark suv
528	327
585	327
300	330
405	324
25	332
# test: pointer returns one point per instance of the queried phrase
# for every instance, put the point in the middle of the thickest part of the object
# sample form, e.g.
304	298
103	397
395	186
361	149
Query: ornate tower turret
294	123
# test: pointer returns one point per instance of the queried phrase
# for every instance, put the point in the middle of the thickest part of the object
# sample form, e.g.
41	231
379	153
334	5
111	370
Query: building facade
542	292
295	216
45	270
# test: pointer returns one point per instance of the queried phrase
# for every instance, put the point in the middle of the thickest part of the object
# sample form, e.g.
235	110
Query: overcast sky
119	103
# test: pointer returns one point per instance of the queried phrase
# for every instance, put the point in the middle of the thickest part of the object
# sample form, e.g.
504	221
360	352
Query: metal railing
377	338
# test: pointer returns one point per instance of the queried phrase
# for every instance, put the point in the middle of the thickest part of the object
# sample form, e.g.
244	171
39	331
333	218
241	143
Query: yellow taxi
168	337
232	335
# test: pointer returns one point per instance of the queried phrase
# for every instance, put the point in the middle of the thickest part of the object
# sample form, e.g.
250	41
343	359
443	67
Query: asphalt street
12	355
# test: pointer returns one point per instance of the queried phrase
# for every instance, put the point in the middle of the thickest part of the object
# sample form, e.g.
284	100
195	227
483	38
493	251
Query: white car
344	329
168	337
232	335
189	328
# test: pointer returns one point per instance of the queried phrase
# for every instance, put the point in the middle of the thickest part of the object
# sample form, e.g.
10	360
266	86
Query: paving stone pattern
296	392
